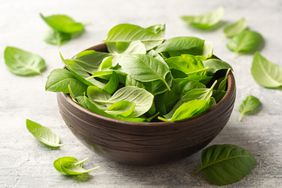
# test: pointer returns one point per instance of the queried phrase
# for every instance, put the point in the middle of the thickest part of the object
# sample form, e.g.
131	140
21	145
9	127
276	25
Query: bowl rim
228	96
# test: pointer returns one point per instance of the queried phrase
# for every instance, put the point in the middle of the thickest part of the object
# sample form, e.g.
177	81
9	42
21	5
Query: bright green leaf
121	35
70	166
250	105
144	68
235	28
182	45
43	134
122	108
63	23
23	63
265	73
215	65
246	42
59	80
206	21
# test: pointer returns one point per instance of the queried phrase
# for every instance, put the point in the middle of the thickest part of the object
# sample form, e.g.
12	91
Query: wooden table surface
25	163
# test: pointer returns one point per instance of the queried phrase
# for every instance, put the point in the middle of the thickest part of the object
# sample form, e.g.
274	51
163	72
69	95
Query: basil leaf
43	134
81	71
64	28
156	87
106	63
180	45
193	94
142	98
90	59
121	35
188	110
71	166
250	105
96	108
144	68
63	23
235	28
215	65
122	108
183	85
57	38
60	80
186	63
225	164
23	63
221	88
112	84
206	21
246	42
265	73
208	50
135	47
97	94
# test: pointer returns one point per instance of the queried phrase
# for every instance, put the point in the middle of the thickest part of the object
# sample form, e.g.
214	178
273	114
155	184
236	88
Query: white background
25	163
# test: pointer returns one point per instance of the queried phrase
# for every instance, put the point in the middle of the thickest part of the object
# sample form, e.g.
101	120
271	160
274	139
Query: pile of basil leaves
142	77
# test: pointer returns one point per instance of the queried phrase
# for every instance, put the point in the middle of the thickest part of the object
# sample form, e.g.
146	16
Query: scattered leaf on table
43	134
23	63
250	105
207	21
226	164
265	73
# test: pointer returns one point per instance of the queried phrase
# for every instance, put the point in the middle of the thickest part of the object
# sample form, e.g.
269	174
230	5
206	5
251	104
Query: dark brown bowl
146	143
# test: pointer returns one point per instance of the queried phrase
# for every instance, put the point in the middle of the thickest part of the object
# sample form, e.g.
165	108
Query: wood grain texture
25	163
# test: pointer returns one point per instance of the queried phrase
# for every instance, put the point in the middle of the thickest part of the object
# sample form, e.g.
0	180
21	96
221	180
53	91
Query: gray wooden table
25	163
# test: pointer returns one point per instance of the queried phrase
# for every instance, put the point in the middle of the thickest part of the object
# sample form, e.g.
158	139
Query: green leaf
142	98
135	47
96	108
122	108
183	85
206	21
121	35
226	164
197	93
246	42
63	23
144	68
235	28
220	89
97	94
112	84
181	45
265	73
250	105
71	166
223	83
188	64
59	80
64	28
156	87
188	110
106	63
57	38
43	134
208	50
90	60
23	63
81	71
215	65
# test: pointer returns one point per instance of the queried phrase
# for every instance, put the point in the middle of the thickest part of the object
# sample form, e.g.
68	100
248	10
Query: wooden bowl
146	143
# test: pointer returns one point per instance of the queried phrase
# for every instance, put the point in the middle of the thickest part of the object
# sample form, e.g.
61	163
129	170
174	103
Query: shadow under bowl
146	143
